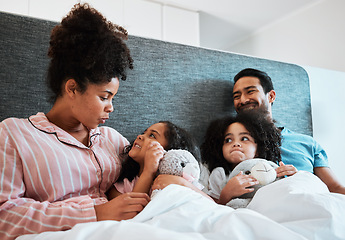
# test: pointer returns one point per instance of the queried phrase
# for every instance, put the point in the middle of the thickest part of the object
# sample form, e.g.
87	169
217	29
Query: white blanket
297	207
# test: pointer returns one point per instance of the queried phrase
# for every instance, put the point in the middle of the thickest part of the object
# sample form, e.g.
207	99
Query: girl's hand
237	186
285	170
154	153
123	207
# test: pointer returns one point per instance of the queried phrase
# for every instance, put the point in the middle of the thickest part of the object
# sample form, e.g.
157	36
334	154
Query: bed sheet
297	207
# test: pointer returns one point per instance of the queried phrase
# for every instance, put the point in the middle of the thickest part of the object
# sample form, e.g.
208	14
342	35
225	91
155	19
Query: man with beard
254	89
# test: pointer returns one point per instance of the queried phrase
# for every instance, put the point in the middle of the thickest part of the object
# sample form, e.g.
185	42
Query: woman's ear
71	87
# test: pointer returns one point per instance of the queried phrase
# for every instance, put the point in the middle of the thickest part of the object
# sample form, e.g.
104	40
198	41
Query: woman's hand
285	170
123	207
237	186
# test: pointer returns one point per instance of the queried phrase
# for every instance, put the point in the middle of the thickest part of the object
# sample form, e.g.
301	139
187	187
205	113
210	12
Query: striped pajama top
49	181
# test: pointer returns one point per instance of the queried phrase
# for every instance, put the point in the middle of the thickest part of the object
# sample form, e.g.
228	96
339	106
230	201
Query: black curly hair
87	48
177	138
266	135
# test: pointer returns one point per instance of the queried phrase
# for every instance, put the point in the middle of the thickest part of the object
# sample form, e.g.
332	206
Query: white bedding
297	207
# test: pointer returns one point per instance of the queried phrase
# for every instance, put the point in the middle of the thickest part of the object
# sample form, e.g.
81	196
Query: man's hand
285	170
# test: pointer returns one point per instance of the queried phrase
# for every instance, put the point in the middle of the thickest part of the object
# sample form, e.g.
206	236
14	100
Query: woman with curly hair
231	140
57	167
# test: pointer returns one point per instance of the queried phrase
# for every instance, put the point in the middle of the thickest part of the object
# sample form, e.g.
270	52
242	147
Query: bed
299	207
188	86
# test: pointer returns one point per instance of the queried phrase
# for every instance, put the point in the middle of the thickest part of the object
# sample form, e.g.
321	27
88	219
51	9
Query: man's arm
329	178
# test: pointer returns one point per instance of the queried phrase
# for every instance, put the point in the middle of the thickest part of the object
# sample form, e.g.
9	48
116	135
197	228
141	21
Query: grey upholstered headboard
186	85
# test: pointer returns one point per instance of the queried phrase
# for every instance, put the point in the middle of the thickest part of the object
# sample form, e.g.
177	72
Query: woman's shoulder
13	121
14	128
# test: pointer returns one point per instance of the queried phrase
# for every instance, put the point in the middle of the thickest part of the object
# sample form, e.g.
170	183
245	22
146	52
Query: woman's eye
228	140
103	98
245	139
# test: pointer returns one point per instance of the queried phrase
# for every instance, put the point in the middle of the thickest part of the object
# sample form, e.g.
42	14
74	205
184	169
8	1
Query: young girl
231	140
143	155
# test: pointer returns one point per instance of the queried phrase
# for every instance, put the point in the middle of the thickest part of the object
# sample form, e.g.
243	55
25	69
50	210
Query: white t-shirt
217	182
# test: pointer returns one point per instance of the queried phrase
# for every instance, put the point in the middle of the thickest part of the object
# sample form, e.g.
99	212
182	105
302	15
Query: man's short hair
265	80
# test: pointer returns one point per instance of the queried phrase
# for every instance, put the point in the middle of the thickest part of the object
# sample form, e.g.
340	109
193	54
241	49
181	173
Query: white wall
328	112
314	36
138	17
181	26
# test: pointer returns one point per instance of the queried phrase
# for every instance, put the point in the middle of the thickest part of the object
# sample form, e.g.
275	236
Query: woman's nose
109	108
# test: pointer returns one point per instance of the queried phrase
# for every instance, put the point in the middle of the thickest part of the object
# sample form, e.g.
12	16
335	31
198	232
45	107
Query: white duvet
297	207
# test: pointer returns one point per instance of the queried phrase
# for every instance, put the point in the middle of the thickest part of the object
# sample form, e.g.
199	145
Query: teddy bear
262	170
181	163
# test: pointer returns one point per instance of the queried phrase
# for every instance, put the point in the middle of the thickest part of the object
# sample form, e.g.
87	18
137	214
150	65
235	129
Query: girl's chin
132	155
237	157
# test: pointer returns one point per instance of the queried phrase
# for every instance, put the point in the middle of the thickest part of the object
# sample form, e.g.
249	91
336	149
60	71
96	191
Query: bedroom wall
139	17
313	36
328	114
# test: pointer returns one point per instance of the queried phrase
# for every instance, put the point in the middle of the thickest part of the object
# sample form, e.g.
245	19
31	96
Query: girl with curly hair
143	155
231	140
57	166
